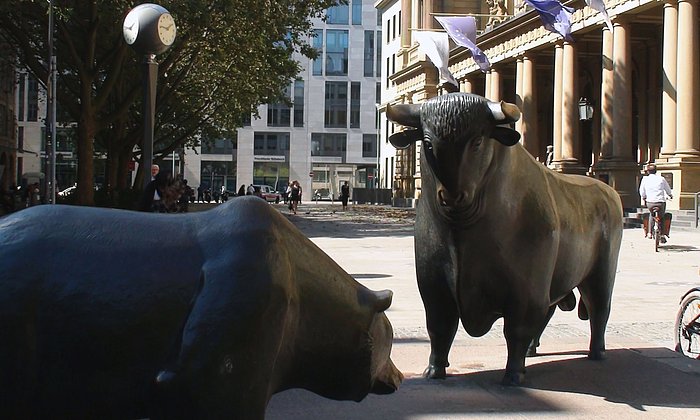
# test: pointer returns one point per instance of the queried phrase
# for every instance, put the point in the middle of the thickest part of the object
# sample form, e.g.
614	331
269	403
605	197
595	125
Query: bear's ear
383	300
405	138
505	135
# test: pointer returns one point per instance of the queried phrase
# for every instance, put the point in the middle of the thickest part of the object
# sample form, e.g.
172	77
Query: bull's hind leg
442	319
596	295
532	348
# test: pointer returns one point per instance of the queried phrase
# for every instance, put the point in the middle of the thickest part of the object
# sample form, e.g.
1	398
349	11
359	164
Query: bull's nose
447	199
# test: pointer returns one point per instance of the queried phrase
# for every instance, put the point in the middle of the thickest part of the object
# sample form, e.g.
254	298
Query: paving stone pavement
643	377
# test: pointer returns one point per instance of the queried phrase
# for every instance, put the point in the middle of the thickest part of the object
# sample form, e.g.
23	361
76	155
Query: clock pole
150	80
149	29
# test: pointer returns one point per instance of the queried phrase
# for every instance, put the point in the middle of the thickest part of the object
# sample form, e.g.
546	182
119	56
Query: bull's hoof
596	355
435	372
513	379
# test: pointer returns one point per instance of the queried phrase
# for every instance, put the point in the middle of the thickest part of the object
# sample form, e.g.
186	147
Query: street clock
149	29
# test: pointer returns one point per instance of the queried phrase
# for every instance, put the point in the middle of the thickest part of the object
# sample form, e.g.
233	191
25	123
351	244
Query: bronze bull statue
500	235
118	314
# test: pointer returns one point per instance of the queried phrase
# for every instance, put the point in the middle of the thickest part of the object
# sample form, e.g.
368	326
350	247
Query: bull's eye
477	142
428	146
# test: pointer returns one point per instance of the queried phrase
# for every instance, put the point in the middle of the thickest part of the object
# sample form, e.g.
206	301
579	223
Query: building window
246	120
399	24
214	174
328	144
298	103
388	31
369	145
336	53
357	12
338	15
32	99
275	144
279	114
318	46
393	27
379	54
20	102
378	93
369	53
354	104
387	72
217	147
336	107
20	138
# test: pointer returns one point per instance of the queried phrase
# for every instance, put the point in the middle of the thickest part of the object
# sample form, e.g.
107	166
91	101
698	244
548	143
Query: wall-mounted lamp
585	109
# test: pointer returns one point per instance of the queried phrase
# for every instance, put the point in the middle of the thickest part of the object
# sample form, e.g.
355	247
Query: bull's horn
383	300
404	114
504	112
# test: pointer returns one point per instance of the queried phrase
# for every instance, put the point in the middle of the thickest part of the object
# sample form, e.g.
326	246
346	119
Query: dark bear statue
119	314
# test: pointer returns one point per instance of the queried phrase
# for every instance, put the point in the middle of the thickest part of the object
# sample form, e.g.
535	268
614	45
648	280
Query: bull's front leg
520	329
441	315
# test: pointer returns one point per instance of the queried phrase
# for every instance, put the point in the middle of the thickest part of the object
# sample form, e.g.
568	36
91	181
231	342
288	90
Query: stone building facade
608	103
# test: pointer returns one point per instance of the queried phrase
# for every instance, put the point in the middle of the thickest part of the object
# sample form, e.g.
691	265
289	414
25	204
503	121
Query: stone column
530	135
688	128
668	98
406	19
466	86
622	86
495	94
427	17
618	166
606	96
519	93
557	117
487	85
570	144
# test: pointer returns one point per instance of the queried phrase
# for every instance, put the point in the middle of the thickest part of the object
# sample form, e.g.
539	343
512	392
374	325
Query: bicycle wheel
657	238
687	329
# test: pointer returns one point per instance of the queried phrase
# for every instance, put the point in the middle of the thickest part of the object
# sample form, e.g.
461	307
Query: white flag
436	46
599	6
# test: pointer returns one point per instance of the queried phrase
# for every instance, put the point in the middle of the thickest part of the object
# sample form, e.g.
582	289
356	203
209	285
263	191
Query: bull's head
458	132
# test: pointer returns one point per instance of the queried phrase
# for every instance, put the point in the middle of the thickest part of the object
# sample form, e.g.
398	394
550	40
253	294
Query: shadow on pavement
626	377
561	388
678	248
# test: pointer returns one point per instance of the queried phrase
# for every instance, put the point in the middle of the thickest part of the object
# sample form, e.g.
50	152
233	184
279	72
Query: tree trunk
86	149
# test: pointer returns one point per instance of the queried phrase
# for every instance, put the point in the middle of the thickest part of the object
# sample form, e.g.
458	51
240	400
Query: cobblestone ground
648	285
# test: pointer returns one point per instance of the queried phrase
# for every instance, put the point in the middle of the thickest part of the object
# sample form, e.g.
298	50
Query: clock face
131	28
166	29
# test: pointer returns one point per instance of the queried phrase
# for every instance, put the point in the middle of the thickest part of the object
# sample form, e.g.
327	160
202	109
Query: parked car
267	193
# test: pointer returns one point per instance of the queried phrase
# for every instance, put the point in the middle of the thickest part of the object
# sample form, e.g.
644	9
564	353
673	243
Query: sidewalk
642	376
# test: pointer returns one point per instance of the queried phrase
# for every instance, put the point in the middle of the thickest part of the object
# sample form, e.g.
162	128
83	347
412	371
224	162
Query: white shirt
654	189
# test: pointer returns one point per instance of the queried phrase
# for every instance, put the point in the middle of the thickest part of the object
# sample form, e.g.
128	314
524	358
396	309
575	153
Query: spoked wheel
687	331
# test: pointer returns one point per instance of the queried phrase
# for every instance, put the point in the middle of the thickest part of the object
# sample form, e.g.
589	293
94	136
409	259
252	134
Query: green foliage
229	57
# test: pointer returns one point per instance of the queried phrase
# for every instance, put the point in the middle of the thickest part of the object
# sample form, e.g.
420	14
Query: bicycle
662	227
687	327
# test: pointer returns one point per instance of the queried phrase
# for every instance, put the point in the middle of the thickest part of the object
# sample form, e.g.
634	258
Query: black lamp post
50	148
150	30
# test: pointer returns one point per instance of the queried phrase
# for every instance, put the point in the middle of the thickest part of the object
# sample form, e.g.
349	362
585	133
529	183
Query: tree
229	57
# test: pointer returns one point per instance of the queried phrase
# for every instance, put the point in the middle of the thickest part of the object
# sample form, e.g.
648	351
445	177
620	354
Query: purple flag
599	6
462	30
554	16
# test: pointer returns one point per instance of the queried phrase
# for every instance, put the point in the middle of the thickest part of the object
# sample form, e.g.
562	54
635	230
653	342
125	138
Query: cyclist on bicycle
653	191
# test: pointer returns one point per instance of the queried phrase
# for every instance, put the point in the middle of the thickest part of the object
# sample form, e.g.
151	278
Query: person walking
294	196
345	195
653	190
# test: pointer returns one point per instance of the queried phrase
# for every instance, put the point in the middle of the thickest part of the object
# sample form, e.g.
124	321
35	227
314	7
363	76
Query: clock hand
167	27
130	27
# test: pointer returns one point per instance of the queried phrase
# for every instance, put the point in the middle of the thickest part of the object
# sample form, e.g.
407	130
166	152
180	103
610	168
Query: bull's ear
383	300
505	135
404	114
405	138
